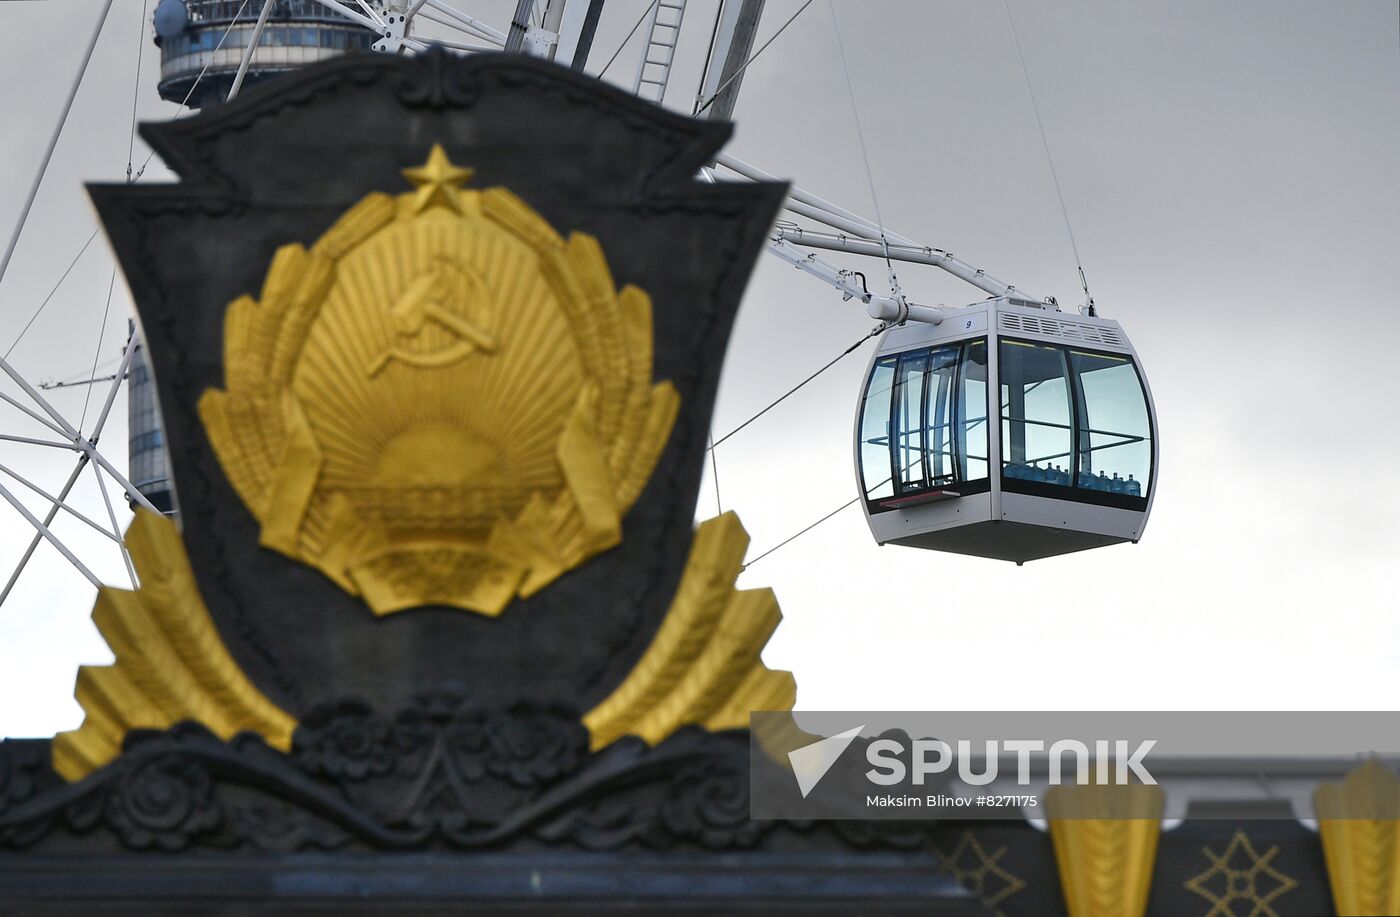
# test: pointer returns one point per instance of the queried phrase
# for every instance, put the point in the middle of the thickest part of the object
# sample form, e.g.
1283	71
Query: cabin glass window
1075	425
972	412
1036	414
875	452
1114	435
910	428
923	424
940	405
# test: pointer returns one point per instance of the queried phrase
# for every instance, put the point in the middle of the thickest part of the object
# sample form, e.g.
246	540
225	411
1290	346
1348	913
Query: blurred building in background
148	464
209	37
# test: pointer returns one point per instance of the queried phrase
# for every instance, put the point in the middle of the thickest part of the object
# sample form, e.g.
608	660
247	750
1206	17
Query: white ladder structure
654	69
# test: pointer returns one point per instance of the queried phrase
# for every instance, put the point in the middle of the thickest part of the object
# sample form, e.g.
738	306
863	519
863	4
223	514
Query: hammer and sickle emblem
425	301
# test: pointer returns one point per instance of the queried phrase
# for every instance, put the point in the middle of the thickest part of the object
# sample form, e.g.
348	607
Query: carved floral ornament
442	401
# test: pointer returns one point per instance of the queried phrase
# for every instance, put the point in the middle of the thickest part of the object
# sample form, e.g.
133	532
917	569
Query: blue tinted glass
875	431
972	412
908	426
1036	418
1115	435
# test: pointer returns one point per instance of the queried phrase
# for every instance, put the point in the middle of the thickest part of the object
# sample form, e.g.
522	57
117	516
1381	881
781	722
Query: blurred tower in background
148	463
202	43
210	37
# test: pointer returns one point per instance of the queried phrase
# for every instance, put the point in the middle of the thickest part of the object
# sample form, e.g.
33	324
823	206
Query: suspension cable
195	85
68	270
97	352
865	154
876	330
1064	211
136	88
714	473
635	26
829	515
735	75
785	542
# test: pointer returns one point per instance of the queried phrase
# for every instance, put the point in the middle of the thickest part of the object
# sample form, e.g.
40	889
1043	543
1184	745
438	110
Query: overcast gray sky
1230	171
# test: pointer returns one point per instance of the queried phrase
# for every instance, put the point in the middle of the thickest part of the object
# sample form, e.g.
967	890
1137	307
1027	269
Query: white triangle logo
811	762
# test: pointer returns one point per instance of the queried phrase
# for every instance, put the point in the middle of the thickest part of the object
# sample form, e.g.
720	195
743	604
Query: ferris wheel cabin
1008	431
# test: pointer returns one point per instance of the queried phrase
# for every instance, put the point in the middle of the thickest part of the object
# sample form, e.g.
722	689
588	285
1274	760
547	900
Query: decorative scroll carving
440	773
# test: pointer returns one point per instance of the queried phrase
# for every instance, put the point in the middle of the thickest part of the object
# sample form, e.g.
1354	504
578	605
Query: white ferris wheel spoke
116	526
31	441
44	531
39	535
86	447
32	413
59	502
468	23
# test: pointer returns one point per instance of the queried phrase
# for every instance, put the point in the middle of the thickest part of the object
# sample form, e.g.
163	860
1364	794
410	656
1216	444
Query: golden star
437	181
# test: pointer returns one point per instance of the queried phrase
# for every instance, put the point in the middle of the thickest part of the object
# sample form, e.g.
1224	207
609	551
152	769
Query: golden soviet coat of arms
442	401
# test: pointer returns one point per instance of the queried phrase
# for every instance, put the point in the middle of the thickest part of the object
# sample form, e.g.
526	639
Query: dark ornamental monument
436	342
